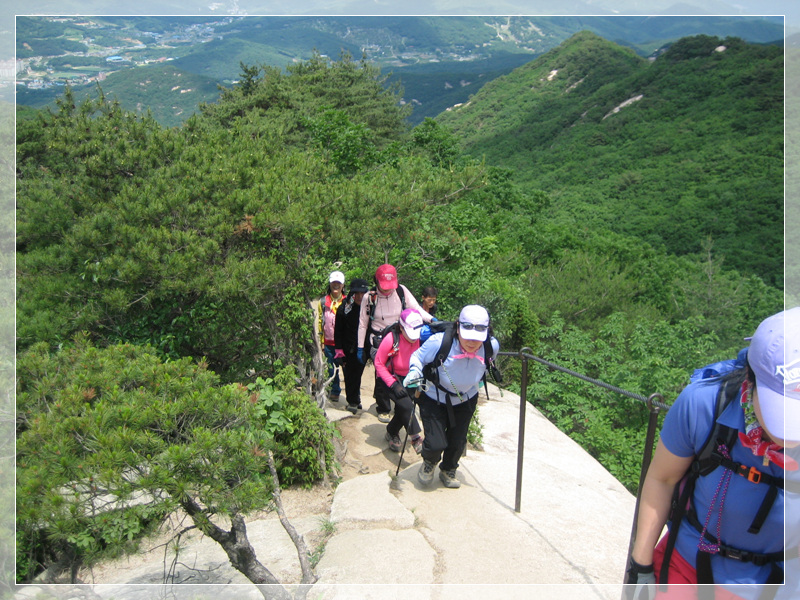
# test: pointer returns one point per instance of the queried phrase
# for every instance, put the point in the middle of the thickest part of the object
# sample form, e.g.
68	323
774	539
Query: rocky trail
370	539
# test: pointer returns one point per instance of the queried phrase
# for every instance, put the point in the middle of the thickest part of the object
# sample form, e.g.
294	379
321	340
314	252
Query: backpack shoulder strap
719	434
402	294
371	303
430	370
684	489
444	348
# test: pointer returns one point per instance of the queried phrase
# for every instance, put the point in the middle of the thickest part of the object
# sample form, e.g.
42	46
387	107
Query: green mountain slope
440	61
167	91
677	151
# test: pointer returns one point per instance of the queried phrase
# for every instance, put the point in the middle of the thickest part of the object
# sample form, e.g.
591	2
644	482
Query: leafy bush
110	441
305	452
643	357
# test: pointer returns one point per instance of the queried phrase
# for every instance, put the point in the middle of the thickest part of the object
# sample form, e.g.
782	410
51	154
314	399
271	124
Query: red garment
386	367
682	578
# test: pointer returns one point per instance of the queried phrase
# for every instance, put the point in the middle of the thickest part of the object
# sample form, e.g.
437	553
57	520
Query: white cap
412	323
774	357
336	276
474	315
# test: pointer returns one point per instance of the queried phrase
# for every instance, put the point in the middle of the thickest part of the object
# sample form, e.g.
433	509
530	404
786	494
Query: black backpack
707	460
377	336
393	329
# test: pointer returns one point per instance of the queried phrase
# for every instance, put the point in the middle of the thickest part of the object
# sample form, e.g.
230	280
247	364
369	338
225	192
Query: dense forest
166	271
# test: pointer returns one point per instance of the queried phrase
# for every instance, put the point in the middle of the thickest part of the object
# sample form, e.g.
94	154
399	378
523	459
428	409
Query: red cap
386	277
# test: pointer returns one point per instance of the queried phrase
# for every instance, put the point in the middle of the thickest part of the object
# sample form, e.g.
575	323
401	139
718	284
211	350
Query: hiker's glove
338	355
642	579
398	390
412	379
360	356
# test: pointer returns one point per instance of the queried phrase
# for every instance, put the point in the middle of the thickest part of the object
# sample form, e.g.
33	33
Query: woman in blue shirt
732	532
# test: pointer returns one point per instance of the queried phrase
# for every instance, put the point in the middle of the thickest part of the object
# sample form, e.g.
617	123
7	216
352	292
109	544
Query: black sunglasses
471	326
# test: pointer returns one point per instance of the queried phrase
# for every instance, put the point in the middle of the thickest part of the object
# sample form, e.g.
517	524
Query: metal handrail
655	403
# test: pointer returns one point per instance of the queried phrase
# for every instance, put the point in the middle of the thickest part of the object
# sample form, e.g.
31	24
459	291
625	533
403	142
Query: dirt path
362	448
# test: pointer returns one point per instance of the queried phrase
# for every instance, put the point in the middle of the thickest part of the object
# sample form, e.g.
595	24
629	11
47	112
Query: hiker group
419	361
725	470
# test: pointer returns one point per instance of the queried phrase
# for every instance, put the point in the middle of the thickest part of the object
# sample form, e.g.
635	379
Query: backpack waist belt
447	393
757	558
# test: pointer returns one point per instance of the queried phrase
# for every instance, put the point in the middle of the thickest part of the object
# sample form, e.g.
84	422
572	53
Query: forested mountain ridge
172	269
439	61
676	151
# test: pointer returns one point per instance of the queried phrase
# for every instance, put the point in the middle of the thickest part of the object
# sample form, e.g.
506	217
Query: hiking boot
333	397
394	442
353	408
384	417
449	479
416	442
425	473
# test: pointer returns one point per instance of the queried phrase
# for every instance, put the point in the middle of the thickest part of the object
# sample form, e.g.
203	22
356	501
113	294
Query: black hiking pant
353	369
383	396
444	439
404	411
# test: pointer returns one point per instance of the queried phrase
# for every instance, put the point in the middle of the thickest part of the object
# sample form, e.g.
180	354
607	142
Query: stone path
384	541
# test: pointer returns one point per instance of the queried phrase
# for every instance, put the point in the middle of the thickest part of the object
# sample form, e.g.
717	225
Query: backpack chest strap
750	473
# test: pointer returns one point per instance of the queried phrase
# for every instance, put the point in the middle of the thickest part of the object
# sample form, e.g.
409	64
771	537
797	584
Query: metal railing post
647	457
523	400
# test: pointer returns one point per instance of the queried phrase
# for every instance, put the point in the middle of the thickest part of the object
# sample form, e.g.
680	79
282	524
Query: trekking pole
408	426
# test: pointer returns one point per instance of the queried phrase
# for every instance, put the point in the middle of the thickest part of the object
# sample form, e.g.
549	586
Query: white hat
774	357
473	315
336	276
411	321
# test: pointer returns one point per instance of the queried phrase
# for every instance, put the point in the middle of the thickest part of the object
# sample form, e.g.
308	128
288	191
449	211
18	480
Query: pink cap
386	277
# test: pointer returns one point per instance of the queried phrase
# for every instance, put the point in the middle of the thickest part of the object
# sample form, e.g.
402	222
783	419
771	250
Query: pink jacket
387	366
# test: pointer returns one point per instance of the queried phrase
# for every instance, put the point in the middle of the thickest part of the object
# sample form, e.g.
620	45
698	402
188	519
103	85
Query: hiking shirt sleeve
363	323
401	360
426	352
686	426
689	420
411	302
382	358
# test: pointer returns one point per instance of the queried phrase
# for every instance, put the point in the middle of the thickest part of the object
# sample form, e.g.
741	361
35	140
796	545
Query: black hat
359	285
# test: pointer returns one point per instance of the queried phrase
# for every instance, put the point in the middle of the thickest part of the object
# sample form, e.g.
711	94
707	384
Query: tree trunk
239	551
299	543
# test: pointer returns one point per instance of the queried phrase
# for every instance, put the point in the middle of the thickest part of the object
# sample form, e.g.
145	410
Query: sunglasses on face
471	326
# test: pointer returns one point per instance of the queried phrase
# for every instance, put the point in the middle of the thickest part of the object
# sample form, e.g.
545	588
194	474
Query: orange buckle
754	475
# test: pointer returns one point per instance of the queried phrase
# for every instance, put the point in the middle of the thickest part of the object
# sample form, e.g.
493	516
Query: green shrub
110	441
